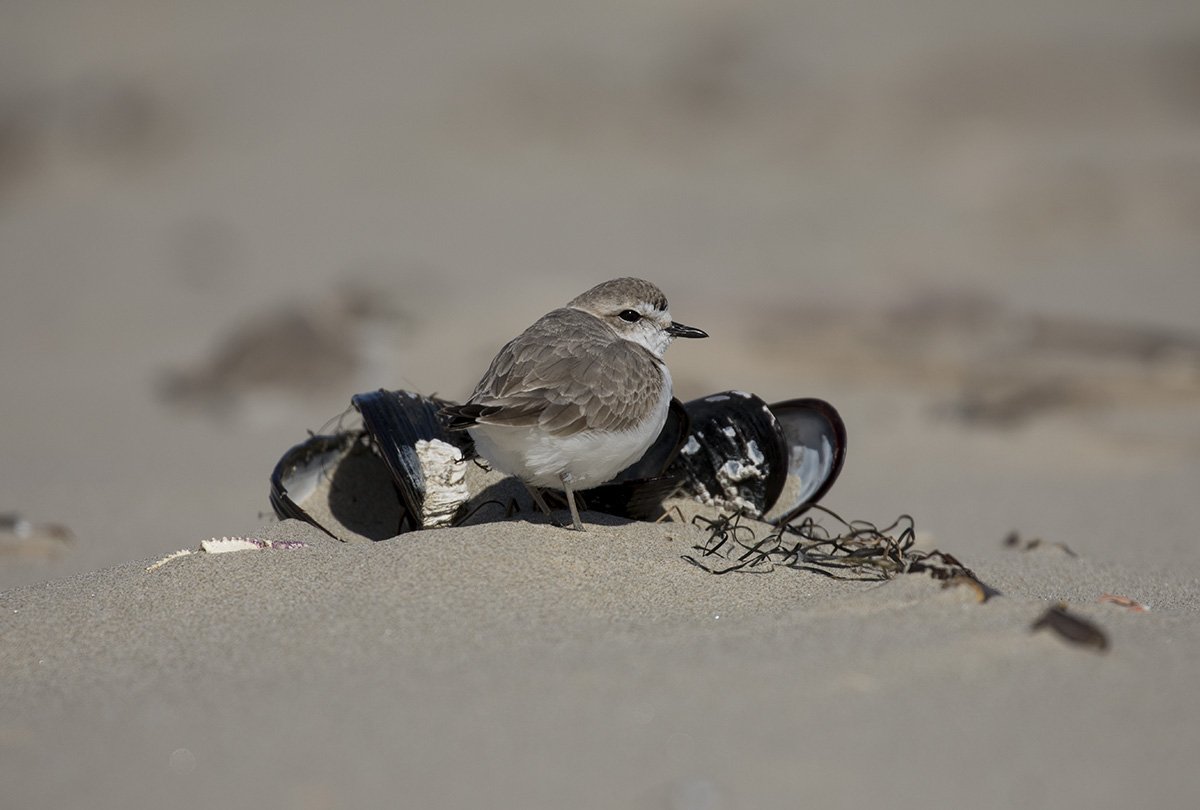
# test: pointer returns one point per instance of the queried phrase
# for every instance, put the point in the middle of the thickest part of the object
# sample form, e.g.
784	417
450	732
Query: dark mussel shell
298	473
769	461
402	425
660	455
816	447
339	484
735	454
401	471
639	490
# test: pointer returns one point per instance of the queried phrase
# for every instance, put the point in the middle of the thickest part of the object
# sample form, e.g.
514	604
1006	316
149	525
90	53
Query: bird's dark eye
631	315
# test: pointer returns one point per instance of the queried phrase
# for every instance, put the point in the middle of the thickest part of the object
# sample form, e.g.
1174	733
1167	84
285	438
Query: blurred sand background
974	228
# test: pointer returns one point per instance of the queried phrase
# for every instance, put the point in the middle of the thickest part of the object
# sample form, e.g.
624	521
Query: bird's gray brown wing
566	372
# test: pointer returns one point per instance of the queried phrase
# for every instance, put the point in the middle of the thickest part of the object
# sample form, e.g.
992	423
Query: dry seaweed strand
857	550
510	508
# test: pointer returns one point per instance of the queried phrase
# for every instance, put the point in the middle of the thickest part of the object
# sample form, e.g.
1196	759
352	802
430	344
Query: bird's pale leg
541	502
570	491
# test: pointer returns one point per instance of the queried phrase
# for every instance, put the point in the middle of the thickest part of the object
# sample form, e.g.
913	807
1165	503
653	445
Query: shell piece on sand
225	545
1131	605
174	555
445	481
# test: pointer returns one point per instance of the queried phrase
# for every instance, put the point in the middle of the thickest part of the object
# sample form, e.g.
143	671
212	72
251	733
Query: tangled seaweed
857	550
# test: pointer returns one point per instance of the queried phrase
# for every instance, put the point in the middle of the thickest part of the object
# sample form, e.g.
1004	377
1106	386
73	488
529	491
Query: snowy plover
581	394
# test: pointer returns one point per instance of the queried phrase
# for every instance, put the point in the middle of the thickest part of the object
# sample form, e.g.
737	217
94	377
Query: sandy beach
521	666
973	229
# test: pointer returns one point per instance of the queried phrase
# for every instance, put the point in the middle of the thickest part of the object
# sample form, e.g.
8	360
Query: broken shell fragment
225	545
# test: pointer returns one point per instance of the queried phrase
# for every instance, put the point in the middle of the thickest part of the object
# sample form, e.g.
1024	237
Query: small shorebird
581	394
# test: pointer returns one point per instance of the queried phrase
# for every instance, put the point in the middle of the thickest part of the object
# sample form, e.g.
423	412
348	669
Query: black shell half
659	456
367	483
735	455
816	450
296	477
639	490
396	421
339	484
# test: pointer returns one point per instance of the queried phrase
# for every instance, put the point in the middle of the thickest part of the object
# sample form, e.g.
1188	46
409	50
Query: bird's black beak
679	330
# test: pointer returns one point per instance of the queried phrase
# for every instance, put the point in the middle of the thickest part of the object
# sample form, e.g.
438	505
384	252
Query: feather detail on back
567	372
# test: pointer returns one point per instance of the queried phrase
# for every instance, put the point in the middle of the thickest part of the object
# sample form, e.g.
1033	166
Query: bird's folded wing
566	373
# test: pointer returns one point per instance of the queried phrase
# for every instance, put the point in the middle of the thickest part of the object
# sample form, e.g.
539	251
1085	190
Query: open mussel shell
299	473
339	484
770	461
816	448
401	471
735	454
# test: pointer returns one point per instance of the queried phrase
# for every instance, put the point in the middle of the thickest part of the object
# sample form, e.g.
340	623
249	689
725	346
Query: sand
520	665
974	229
